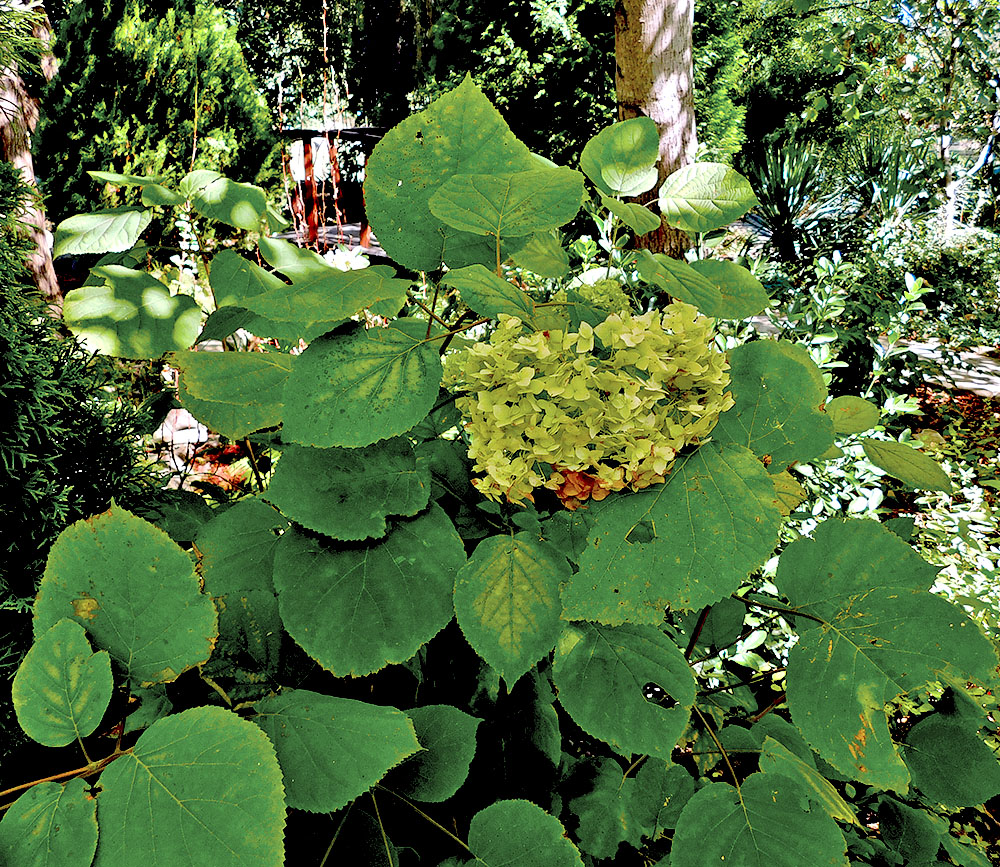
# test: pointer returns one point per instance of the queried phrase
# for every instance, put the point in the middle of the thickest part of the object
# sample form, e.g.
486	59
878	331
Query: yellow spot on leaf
86	607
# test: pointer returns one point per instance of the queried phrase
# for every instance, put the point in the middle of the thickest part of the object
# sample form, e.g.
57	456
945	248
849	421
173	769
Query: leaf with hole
208	787
134	590
331	750
61	689
599	673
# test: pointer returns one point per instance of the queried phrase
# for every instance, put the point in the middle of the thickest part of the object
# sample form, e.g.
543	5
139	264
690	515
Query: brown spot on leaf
86	607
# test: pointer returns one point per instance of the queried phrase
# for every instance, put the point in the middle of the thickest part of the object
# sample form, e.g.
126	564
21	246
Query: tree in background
147	88
720	65
24	36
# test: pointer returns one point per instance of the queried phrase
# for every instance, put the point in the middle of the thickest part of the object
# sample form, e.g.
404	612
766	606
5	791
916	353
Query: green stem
436	824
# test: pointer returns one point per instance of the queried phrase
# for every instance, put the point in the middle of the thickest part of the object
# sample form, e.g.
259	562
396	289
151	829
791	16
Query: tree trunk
655	77
18	117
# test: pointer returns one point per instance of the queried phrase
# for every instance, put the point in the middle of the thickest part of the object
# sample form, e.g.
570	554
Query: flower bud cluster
587	412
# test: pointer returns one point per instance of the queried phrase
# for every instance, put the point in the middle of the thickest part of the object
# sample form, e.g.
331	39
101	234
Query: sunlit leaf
490	295
638	218
544	255
332	749
218	198
208	787
743	295
776	758
907	464
110	231
852	414
621	159
61	689
679	279
704	196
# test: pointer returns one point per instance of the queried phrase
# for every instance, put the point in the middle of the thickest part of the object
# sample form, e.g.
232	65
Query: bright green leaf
349	493
706	528
357	387
679	279
61	688
50	825
111	231
520	833
235	279
131	315
284	256
224	322
704	196
208	788
218	198
743	295
879	634
490	295
638	218
448	738
507	601
154	195
544	255
910	466
852	415
950	763
320	300
765	822
332	749
355	609
134	590
120	180
621	159
459	133
778	392
600	673
511	205
776	758
233	393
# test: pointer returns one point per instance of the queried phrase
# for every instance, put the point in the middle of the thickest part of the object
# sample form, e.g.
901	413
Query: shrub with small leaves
587	412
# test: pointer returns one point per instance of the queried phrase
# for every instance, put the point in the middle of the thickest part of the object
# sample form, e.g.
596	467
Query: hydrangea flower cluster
606	294
588	412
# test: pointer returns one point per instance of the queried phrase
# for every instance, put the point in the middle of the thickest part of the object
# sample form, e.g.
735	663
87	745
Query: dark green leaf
349	493
355	609
50	825
134	590
600	673
332	749
540	839
950	763
490	295
703	531
235	280
208	787
359	387
680	280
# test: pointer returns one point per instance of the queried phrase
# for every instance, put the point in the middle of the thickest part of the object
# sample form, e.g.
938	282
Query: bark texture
19	113
654	77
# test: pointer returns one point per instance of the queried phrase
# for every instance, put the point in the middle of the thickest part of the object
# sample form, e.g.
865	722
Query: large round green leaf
852	414
544	255
684	544
507	601
704	196
233	393
134	591
601	672
349	493
742	294
621	159
61	689
357	608
111	231
50	825
767	822
779	394
879	634
235	280
520	833
357	387
207	787
332	749
511	205
448	738
131	314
